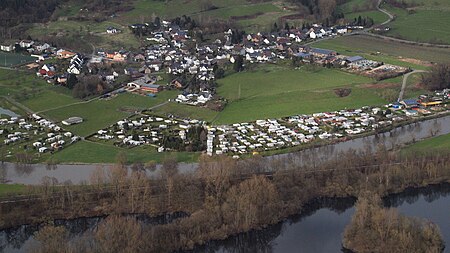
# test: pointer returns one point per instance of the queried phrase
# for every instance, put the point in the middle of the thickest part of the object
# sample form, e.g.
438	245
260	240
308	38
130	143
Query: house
26	43
7	48
64	54
318	52
143	84
153	88
42	47
409	103
62	79
112	30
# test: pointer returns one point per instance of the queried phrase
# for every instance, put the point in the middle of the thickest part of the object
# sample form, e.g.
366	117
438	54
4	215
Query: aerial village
168	53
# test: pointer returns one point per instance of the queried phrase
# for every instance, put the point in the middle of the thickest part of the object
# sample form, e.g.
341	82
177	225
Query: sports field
12	59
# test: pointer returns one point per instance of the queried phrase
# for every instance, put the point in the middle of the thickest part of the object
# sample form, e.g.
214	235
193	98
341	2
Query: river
321	230
77	173
318	229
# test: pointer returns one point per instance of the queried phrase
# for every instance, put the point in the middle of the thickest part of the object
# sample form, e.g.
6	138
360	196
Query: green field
88	152
6	189
424	26
385	51
429	145
12	59
273	92
99	114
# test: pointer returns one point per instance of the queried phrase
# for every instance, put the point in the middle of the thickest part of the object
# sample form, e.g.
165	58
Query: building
72	121
7	48
318	52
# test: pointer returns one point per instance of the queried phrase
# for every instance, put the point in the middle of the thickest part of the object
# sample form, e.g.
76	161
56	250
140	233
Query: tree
118	234
238	63
71	81
326	8
438	78
52	239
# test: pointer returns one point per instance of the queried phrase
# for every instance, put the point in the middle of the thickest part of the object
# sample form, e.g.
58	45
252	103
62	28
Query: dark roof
322	51
355	58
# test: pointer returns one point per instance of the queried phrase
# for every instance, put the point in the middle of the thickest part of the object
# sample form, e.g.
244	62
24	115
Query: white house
7	48
26	43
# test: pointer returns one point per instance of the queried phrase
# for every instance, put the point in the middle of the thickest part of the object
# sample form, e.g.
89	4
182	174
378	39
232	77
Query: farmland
12	59
386	51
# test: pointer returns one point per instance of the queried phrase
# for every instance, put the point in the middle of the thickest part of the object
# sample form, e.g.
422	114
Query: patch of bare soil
415	61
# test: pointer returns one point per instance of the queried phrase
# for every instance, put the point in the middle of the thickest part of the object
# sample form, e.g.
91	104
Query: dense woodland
224	197
376	229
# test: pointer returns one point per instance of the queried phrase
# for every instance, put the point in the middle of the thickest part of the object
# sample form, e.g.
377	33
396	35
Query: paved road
391	17
405	82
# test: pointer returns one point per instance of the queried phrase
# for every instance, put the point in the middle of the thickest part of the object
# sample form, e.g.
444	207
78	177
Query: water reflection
20	239
320	227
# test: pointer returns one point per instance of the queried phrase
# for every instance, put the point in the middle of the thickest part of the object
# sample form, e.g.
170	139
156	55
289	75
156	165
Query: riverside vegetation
224	197
376	229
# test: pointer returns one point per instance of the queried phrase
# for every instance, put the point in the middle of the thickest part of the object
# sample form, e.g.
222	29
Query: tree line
224	196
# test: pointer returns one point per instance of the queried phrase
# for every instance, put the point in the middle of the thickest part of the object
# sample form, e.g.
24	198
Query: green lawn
100	114
429	145
6	189
385	51
48	100
88	152
273	92
12	59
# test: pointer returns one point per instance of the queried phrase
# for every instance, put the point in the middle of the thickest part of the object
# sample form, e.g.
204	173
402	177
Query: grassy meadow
434	25
273	92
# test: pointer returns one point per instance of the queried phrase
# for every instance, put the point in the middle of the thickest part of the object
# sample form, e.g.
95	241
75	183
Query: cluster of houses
149	130
35	134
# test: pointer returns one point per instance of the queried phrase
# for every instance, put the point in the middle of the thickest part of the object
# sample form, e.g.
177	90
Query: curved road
405	81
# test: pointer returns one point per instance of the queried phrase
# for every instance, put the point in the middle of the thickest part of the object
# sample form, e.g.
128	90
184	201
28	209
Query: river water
8	112
321	230
76	174
318	229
